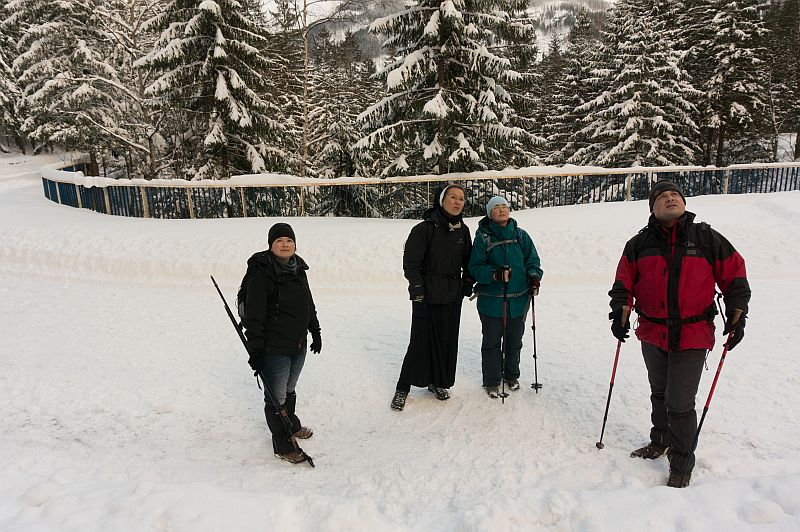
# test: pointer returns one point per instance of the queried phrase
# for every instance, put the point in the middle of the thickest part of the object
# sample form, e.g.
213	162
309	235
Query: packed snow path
127	402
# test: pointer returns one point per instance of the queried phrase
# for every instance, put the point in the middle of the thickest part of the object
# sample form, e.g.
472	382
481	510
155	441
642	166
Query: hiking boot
441	393
492	391
651	451
513	384
295	457
675	481
304	433
399	400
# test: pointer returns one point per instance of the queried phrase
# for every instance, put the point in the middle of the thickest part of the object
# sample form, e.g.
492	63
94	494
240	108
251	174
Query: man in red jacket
668	273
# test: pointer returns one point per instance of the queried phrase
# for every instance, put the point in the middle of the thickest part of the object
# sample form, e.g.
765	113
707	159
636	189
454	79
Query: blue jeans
281	373
491	348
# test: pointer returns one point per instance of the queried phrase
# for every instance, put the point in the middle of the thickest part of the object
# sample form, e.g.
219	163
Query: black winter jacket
437	258
279	309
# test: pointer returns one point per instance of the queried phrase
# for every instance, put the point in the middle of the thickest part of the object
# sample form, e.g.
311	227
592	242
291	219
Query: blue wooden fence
407	198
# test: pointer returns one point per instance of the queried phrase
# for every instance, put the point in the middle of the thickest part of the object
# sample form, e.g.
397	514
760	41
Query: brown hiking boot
304	433
651	451
677	479
295	457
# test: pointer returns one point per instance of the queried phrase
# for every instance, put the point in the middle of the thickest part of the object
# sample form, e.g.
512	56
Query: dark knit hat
663	186
278	230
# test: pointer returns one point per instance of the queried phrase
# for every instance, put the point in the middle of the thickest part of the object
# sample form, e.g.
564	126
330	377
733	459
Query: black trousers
674	378
433	347
492	348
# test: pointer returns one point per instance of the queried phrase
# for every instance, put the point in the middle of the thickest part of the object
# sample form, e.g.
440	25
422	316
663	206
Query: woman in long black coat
435	262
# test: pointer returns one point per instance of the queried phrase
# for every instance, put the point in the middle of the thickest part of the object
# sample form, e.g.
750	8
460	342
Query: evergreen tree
60	44
643	116
448	107
723	45
9	90
340	89
210	67
573	88
285	45
134	124
782	20
517	43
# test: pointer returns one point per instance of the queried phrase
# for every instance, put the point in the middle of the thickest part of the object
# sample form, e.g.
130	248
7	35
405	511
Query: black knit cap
278	230
663	186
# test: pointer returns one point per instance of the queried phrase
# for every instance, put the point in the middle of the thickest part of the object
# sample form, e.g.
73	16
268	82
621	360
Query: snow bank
128	404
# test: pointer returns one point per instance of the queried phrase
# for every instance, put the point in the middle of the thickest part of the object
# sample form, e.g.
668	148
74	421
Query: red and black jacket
670	275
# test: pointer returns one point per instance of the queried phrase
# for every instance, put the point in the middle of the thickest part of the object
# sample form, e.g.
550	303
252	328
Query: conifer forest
208	89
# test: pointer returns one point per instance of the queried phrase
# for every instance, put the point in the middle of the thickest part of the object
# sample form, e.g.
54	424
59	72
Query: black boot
651	451
677	479
281	438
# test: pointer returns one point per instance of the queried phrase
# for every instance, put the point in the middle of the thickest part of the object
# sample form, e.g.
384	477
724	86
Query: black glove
497	275
417	293
316	342
618	329
466	287
737	328
255	362
533	285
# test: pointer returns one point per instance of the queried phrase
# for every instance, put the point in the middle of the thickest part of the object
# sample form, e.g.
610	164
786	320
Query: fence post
244	205
107	202
78	196
190	202
302	201
726	180
58	192
628	179
145	205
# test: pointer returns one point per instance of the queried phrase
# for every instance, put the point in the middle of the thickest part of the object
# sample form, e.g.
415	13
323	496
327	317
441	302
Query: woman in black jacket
435	262
278	314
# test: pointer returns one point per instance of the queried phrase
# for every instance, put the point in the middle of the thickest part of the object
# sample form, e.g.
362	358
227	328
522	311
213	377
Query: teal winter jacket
508	246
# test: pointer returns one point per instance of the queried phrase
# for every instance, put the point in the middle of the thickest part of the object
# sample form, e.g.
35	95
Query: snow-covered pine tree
59	45
517	42
133	123
574	88
782	20
285	46
210	67
10	123
340	89
448	107
723	45
644	116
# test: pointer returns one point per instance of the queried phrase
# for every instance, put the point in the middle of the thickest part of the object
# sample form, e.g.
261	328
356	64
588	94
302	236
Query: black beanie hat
663	186
278	230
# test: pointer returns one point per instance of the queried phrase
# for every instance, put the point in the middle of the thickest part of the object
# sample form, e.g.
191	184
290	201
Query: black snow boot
399	400
651	451
441	393
677	479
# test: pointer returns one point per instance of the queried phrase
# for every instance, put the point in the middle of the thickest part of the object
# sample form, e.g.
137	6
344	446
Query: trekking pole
278	410
624	318
736	317
503	393
536	386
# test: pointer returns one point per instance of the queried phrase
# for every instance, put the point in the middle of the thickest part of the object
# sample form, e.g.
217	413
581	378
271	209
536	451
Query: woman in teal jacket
506	267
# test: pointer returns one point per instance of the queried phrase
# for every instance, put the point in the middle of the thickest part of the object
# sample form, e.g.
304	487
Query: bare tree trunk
93	168
720	146
797	146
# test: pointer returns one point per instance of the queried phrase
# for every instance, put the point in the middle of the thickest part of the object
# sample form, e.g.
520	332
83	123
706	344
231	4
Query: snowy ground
127	403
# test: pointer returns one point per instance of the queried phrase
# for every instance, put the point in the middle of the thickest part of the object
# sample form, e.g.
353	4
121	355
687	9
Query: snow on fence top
397	197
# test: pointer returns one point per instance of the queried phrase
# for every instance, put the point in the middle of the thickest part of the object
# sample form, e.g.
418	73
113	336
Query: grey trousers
674	379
